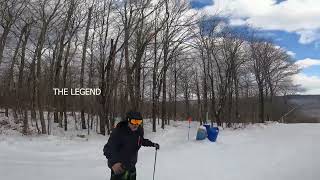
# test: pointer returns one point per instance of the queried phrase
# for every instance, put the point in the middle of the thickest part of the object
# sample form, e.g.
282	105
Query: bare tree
21	76
45	19
83	60
71	8
10	11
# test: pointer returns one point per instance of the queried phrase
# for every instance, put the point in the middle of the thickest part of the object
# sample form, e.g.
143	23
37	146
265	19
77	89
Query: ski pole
189	132
155	161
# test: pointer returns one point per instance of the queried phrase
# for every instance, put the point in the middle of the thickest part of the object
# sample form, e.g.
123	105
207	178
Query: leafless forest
159	57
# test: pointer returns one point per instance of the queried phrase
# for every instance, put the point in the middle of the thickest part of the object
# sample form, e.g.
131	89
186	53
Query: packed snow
257	152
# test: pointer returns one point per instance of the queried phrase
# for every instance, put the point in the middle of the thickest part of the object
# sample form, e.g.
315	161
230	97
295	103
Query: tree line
159	57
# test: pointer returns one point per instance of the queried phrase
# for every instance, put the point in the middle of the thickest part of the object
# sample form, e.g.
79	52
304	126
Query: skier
122	147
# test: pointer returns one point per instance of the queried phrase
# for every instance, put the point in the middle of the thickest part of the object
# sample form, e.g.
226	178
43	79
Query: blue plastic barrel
212	132
201	134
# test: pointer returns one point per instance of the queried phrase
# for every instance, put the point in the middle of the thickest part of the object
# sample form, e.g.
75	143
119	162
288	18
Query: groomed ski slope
258	152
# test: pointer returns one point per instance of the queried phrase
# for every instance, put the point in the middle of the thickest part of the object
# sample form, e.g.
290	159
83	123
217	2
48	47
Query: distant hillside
307	108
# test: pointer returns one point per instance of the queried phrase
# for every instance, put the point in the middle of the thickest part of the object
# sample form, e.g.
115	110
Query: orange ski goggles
136	121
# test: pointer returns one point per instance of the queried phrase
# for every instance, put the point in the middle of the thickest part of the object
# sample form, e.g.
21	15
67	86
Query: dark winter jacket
123	145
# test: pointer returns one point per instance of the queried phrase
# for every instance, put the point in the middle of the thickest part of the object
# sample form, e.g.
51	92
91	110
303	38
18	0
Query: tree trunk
38	82
154	84
109	79
64	75
213	101
261	100
59	59
83	60
205	91
25	122
20	80
236	88
10	81
165	66
3	40
175	90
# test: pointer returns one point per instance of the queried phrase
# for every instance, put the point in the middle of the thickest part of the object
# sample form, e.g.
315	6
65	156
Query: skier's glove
156	145
118	168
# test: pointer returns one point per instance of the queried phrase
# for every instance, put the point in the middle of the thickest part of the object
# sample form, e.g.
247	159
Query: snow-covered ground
258	152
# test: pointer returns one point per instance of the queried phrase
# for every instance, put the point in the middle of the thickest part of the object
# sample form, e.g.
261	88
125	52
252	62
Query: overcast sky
292	24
